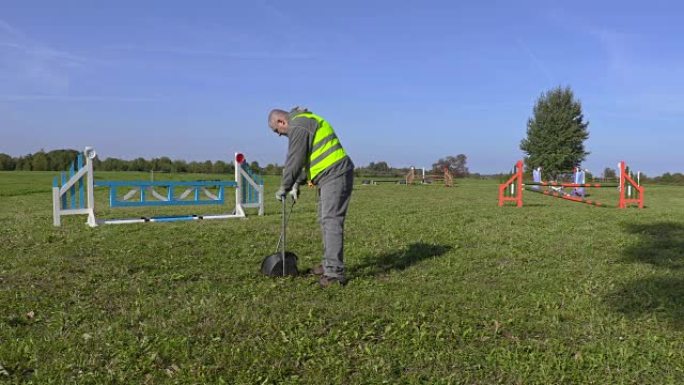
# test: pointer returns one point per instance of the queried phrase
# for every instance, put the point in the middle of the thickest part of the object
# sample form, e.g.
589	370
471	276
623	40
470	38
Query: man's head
278	121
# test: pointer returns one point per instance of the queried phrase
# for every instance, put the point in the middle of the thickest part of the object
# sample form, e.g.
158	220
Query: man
314	152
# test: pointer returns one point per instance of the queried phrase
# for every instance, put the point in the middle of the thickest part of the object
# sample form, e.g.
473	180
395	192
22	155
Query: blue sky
404	82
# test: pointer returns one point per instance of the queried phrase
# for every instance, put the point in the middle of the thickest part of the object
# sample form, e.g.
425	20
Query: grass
446	288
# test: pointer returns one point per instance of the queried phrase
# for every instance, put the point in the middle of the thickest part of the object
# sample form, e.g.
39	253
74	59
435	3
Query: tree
379	167
138	164
24	163
255	166
163	164
455	164
60	160
180	165
6	162
194	167
114	164
609	173
556	133
221	167
40	161
273	169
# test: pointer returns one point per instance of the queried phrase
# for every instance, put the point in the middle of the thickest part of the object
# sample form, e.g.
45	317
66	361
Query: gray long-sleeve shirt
300	136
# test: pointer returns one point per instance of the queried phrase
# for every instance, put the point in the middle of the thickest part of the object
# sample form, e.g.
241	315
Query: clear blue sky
405	82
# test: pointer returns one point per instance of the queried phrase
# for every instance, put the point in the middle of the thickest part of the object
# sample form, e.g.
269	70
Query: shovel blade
272	265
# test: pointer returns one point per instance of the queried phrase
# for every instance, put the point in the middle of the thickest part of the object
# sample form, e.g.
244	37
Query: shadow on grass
660	244
660	297
397	260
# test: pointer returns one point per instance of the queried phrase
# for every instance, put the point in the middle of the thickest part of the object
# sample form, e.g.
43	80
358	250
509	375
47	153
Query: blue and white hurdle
68	200
64	196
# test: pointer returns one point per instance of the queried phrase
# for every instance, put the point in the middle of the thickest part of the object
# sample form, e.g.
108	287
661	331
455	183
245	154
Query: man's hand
280	194
294	192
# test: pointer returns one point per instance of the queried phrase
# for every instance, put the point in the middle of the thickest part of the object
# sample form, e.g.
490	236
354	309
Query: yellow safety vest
326	149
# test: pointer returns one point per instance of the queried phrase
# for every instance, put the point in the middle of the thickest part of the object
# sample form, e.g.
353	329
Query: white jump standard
249	191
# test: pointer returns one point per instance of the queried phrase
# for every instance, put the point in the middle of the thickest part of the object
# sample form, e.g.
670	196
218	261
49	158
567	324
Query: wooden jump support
447	177
411	176
631	193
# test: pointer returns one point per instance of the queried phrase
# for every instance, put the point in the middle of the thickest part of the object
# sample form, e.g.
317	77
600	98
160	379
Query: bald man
315	153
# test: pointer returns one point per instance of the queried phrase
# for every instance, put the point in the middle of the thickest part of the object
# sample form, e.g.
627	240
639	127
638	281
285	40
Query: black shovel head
272	265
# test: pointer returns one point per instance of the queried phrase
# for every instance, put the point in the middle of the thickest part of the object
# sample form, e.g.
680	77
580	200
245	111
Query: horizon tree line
60	160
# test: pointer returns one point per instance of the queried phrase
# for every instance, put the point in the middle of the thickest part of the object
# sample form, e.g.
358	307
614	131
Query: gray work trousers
335	195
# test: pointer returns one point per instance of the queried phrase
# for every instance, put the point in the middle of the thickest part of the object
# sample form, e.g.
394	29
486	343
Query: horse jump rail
630	191
66	200
568	197
560	184
196	190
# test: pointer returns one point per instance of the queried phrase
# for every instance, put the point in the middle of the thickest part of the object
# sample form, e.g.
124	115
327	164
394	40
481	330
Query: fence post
90	188
56	202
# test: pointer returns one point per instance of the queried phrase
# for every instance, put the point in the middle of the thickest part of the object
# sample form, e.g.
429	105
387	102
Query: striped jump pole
567	197
561	184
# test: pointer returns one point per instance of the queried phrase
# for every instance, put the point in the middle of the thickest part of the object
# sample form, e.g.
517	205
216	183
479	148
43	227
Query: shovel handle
283	232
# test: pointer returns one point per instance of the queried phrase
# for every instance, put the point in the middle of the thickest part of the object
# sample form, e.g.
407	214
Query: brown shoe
326	281
317	270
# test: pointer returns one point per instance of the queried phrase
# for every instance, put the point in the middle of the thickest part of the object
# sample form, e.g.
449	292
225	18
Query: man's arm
301	180
298	149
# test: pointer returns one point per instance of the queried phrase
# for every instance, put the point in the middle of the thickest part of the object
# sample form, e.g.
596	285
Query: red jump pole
559	184
519	202
569	197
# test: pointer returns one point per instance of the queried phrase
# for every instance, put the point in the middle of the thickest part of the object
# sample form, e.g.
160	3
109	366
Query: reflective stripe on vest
326	149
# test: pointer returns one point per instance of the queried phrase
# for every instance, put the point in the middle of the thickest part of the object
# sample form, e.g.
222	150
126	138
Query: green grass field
445	287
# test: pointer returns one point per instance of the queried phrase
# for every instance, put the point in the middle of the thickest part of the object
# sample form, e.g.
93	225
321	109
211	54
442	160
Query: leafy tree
273	169
556	133
138	164
456	164
24	163
676	178
7	163
379	167
114	164
221	167
60	160
180	165
40	161
194	167
609	173
163	164
255	166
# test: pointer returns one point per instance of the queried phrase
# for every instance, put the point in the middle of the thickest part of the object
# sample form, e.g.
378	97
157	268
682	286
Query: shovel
281	263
